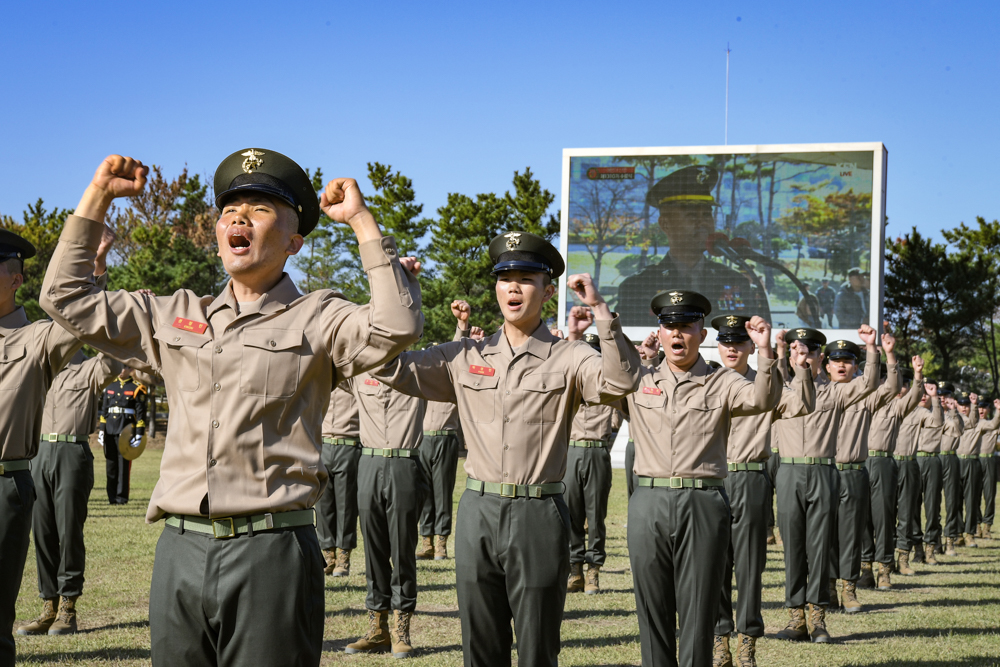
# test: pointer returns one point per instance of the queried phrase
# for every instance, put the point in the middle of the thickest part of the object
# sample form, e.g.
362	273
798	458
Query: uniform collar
697	374
539	344
275	299
13	321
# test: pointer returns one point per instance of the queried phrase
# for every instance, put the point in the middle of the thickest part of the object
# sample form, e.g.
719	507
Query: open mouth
514	304
239	241
677	347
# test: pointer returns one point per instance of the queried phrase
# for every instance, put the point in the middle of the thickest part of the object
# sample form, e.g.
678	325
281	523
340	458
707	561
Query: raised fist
579	319
411	264
759	331
584	289
342	200
888	343
476	334
120	176
918	364
461	310
650	346
867	334
799	354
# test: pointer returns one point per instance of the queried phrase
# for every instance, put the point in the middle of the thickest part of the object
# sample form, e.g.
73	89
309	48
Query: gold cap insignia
732	321
513	240
676	298
253	161
841	344
801	333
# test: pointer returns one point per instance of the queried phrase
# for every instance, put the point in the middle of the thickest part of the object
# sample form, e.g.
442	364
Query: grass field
945	615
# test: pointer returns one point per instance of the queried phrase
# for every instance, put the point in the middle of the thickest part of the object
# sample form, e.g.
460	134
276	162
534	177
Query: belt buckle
387	453
232	528
1	469
503	490
676	482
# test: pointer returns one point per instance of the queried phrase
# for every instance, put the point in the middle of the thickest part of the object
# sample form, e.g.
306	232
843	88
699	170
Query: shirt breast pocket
11	366
649	410
706	416
183	371
544	395
271	362
480	394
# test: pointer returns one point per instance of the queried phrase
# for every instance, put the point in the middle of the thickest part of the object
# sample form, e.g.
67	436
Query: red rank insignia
482	370
651	390
371	383
129	393
111	391
190	325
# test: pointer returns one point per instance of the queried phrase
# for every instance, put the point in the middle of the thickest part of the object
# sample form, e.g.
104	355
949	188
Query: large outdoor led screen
793	233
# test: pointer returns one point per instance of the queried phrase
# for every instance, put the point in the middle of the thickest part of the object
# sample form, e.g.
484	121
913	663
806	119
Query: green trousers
951	475
852	517
989	489
908	532
63	474
930	489
511	564
337	508
749	494
807	516
677	543
17	497
773	463
439	455
390	494
881	525
246	600
588	483
630	467
972	492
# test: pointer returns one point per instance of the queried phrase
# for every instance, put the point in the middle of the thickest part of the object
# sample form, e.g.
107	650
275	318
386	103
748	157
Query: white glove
100	438
135	441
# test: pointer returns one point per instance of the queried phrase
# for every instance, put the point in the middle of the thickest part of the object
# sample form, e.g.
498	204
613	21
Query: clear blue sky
460	95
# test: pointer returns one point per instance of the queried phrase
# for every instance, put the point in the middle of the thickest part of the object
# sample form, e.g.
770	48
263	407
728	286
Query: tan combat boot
987	535
65	623
575	582
867	579
426	549
834	602
959	541
330	556
850	598
746	651
41	625
796	629
441	547
593	586
970	541
401	647
884	580
929	554
377	639
949	547
721	657
903	560
918	554
342	566
770	536
817	619
979	531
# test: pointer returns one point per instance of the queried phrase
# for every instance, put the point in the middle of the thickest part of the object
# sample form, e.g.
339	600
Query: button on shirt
884	429
389	419
852	438
594	422
750	436
930	433
341	419
275	362
441	416
516	409
71	404
680	422
31	355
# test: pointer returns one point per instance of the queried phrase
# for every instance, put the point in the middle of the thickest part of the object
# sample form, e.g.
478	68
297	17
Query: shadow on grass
338	646
931	633
131	625
86	657
583	614
599	642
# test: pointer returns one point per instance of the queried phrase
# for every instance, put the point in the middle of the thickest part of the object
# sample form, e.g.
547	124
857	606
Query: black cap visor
733	338
680	316
843	354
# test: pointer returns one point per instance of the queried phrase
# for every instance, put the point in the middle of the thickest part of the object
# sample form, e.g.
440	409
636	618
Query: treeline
166	241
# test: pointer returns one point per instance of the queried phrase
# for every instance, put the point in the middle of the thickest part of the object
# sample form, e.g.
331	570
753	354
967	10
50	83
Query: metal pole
727	94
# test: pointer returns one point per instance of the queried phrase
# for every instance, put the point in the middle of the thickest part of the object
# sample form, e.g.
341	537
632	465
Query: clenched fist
461	310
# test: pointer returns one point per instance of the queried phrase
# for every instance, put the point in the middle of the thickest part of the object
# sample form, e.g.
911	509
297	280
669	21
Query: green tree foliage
42	228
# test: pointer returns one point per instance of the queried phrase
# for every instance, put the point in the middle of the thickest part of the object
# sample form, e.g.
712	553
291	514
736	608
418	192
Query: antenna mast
728	50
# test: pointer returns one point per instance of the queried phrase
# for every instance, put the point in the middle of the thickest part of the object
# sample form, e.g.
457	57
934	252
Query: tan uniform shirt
680	423
852	438
909	428
815	434
988	443
389	419
248	383
31	355
72	402
750	436
341	419
441	416
931	427
595	422
884	428
516	408
965	428
975	429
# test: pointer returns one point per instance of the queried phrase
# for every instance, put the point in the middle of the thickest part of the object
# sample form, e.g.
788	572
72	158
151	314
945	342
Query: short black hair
13	265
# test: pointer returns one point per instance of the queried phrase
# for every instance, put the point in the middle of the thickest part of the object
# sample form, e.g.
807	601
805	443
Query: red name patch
111	391
129	393
651	390
190	325
482	370
371	383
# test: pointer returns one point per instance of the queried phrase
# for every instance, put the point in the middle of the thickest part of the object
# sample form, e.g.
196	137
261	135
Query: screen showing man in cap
851	302
249	374
687	216
517	392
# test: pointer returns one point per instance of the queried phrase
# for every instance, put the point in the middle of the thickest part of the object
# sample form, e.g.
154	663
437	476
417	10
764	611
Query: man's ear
295	244
704	334
18	281
550	291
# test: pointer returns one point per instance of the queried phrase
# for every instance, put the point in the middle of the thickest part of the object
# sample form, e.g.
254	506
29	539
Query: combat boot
593	586
960	541
834	603
746	651
65	623
918	554
979	531
41	625
342	566
970	541
575	582
377	639
903	566
441	547
867	578
987	535
817	619
929	554
796	629
884	580
850	598
401	646
949	547
330	556
770	536
721	657
426	550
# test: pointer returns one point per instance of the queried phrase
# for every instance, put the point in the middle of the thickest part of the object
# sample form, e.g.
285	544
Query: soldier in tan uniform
337	508
63	473
987	450
517	391
749	490
908	534
881	469
968	457
951	473
808	486
854	504
929	438
248	373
